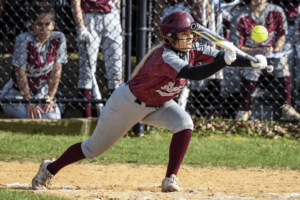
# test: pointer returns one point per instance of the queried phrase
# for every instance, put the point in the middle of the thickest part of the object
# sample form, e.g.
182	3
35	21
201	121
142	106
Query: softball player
37	60
293	42
147	97
259	12
98	24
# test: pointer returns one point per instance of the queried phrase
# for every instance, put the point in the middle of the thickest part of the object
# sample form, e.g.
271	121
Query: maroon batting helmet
175	23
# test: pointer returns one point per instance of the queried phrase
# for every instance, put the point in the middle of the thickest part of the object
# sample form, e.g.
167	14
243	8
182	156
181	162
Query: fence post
128	39
141	46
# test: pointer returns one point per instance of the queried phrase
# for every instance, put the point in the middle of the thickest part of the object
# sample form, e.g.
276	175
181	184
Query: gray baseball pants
121	113
106	31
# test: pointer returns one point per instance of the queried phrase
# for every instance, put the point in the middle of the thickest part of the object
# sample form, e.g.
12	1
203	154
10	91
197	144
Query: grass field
211	149
233	151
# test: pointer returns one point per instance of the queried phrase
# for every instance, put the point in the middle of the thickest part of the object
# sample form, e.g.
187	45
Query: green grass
233	151
6	194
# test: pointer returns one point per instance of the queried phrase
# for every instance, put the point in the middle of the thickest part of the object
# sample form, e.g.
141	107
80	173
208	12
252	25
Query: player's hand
261	62
230	56
84	35
47	107
32	111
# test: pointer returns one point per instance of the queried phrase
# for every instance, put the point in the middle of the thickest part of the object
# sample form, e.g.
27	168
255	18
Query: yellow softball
259	33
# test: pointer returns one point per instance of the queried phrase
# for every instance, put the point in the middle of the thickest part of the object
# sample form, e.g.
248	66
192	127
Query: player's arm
77	13
22	81
205	71
280	41
53	83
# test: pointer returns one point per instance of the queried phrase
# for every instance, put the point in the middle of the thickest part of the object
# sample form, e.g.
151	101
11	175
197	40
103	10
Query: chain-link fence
89	48
244	93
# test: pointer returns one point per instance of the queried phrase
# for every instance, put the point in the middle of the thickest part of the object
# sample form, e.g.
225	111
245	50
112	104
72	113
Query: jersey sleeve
282	22
170	58
62	51
20	51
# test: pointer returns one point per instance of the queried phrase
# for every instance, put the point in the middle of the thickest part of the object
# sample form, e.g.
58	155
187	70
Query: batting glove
261	62
230	56
84	35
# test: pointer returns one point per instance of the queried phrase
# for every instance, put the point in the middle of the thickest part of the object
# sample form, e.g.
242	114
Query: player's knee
186	123
88	151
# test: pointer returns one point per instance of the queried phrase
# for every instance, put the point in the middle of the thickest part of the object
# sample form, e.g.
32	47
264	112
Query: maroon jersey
273	18
157	81
102	6
38	60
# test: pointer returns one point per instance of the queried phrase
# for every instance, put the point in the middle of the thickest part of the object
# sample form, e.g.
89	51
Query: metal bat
222	42
95	87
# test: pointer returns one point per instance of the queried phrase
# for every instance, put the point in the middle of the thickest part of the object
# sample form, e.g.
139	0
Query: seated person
37	61
259	12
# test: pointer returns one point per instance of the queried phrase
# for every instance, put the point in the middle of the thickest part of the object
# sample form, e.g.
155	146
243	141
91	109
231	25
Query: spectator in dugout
253	13
37	61
292	10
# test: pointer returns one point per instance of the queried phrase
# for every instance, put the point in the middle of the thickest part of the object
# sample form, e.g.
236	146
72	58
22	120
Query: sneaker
43	178
170	184
289	113
243	115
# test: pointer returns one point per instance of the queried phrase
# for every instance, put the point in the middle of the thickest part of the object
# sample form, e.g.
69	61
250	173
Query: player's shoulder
167	54
57	34
25	37
273	7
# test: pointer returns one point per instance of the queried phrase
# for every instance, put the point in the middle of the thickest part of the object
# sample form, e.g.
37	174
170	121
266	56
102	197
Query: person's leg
249	82
118	116
53	114
282	86
112	48
179	145
87	68
172	117
17	111
247	88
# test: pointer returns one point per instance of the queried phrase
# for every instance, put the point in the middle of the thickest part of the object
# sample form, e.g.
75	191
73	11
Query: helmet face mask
174	24
184	41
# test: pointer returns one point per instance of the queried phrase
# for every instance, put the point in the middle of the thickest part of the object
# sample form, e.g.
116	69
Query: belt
147	105
140	103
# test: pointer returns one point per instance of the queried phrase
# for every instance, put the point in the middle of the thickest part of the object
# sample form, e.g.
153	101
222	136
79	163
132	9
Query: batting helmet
175	23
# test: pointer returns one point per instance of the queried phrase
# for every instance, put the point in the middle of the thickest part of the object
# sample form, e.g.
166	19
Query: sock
283	87
179	145
71	155
247	88
88	95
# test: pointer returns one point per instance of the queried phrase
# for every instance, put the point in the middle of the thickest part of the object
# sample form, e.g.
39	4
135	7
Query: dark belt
146	105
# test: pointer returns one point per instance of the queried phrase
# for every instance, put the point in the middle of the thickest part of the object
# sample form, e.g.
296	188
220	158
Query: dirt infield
143	182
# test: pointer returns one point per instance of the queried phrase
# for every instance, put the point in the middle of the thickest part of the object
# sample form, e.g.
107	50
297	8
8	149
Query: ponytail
141	64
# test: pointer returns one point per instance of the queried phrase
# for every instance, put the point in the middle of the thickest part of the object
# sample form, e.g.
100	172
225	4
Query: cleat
43	178
243	115
170	184
289	113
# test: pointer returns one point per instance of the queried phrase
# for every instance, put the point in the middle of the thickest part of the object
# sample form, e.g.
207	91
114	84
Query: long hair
141	64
